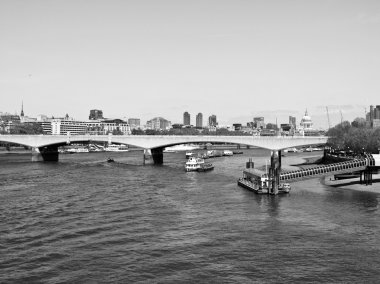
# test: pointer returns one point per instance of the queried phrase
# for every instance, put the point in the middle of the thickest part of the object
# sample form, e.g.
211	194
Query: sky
236	59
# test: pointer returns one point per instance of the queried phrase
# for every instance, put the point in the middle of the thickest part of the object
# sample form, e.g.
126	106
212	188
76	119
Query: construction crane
328	117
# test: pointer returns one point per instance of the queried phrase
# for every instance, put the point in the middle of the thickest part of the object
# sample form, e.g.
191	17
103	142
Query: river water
83	220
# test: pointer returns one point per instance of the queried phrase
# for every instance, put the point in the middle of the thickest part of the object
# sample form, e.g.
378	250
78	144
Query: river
83	220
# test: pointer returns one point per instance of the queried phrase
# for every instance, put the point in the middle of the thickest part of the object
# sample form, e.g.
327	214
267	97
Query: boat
258	182
228	153
189	154
205	167
77	150
237	152
198	164
181	147
193	164
203	155
110	160
214	153
116	148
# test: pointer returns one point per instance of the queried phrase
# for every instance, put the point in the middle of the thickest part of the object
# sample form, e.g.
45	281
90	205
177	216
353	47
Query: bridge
364	165
45	147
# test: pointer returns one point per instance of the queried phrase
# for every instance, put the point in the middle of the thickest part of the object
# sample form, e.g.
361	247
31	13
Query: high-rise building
96	114
373	117
186	118
212	120
259	121
134	122
199	120
293	122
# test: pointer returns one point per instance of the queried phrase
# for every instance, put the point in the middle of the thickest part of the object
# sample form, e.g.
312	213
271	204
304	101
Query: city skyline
237	60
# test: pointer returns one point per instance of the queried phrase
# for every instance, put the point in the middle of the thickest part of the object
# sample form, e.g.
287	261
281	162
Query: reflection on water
85	220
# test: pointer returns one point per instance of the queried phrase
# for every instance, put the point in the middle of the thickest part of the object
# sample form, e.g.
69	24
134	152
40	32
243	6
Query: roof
255	172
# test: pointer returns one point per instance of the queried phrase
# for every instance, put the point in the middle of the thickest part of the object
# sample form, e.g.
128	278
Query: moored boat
189	154
259	182
116	148
228	153
205	167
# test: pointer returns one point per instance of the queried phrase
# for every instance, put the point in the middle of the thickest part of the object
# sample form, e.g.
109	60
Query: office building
199	120
186	118
212	121
292	122
373	117
134	123
158	123
259	122
96	114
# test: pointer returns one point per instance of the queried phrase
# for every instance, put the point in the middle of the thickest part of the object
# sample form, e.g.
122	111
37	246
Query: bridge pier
155	154
45	154
274	171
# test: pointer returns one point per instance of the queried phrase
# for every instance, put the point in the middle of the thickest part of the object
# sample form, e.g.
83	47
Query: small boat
237	152
116	148
206	167
110	160
189	154
228	153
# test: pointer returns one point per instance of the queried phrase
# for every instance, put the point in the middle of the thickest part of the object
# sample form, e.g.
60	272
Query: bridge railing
348	166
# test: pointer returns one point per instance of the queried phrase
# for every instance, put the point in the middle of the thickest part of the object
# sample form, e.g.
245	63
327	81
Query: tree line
354	136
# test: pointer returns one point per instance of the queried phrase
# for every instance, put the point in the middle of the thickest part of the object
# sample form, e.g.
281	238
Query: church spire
22	108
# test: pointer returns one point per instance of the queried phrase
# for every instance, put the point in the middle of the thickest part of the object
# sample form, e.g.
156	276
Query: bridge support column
158	156
274	171
155	155
45	154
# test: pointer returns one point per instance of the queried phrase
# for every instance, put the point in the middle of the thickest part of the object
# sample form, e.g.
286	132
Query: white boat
77	150
189	154
228	153
193	164
116	148
181	147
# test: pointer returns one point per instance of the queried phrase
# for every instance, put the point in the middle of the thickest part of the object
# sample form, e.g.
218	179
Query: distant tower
199	120
212	120
96	114
22	109
186	118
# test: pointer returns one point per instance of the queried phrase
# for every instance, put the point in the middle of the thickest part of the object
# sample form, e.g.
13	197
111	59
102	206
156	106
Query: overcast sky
235	59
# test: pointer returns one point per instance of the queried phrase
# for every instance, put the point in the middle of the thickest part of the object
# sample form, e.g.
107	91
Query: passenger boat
189	154
116	148
198	164
258	182
181	147
228	153
193	164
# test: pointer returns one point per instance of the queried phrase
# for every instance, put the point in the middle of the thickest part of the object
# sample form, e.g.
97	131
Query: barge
259	182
